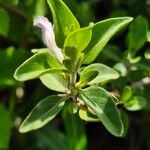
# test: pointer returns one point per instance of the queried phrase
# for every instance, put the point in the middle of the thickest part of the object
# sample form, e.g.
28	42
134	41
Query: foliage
75	42
103	76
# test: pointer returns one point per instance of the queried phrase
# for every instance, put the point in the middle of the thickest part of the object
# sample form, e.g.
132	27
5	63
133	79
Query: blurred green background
128	52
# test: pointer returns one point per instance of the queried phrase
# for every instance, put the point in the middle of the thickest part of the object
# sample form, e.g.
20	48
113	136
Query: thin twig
14	11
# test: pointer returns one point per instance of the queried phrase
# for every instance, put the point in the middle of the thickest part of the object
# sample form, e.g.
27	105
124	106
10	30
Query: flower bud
48	36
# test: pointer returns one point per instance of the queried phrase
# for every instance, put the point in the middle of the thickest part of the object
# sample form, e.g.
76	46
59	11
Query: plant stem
12	101
73	78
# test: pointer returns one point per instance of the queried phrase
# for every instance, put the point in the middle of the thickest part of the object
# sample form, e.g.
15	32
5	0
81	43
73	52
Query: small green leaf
131	58
88	76
147	54
127	93
37	65
78	40
5	127
121	68
4	25
136	103
104	73
63	20
137	35
55	82
103	105
101	33
42	113
74	44
86	116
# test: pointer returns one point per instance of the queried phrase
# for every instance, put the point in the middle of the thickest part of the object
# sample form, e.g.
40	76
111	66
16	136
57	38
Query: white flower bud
48	36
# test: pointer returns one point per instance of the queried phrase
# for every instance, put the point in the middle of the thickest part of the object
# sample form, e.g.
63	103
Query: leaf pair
93	38
95	97
74	45
39	64
42	65
131	102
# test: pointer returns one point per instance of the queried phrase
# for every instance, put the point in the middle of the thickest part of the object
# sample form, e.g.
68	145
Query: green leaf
104	73
137	35
103	105
5	127
127	93
131	58
35	50
121	68
10	59
42	113
88	76
64	20
147	54
101	33
136	103
55	82
37	65
74	44
86	116
125	122
4	25
78	40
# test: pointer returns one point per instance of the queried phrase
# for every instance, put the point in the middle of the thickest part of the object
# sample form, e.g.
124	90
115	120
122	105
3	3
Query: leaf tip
24	128
130	19
16	76
117	75
21	129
